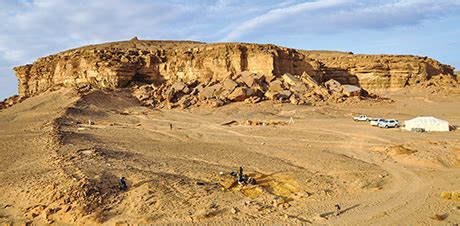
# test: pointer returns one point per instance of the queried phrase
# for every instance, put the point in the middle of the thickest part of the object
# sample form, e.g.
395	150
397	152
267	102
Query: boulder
209	91
338	96
240	94
258	92
230	85
247	74
179	86
10	102
290	79
248	78
143	93
299	88
198	89
294	100
184	102
351	90
333	86
271	95
285	94
269	78
219	89
253	100
276	86
259	78
307	79
215	103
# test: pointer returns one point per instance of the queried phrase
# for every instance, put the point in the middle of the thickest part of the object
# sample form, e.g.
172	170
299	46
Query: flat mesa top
153	45
148	45
140	44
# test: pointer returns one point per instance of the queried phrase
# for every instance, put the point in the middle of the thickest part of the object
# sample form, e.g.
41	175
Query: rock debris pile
8	102
246	87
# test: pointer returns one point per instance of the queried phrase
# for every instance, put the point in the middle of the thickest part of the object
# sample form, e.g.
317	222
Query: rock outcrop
236	70
379	71
116	65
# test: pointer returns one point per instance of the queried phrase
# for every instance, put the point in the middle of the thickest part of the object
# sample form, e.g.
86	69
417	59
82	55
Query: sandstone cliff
111	66
119	64
379	71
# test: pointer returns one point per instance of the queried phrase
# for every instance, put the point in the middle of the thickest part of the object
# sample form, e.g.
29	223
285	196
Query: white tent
427	123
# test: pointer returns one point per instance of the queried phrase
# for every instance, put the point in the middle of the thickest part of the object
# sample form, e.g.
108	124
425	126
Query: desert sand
59	168
152	132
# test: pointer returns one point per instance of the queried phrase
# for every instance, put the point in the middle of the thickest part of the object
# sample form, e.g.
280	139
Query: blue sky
33	28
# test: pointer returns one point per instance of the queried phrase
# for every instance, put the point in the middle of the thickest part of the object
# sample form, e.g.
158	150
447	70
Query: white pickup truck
376	121
361	118
389	123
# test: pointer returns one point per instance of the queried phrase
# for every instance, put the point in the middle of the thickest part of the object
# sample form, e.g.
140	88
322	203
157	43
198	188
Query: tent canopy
427	123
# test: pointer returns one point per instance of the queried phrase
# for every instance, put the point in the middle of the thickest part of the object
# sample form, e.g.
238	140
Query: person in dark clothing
240	178
122	184
337	209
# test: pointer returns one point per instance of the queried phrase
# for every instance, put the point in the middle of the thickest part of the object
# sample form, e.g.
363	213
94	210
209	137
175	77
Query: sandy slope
57	168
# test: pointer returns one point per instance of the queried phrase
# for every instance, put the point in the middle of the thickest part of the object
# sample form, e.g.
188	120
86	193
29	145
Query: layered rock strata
379	71
119	64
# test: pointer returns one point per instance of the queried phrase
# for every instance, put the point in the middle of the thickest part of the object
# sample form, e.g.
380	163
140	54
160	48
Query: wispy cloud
326	16
34	28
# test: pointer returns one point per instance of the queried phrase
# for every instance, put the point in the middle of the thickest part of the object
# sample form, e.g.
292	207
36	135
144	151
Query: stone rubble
10	102
244	87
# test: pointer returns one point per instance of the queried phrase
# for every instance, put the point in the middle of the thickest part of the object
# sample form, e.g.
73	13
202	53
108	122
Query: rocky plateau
132	133
185	73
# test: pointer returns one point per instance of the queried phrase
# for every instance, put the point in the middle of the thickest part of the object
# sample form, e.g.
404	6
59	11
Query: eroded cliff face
117	66
114	65
379	71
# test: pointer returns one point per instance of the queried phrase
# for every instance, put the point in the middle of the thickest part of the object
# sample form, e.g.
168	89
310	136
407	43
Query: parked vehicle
376	121
390	123
361	118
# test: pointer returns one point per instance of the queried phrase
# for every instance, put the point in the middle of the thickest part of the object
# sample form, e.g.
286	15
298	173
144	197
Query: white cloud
33	28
